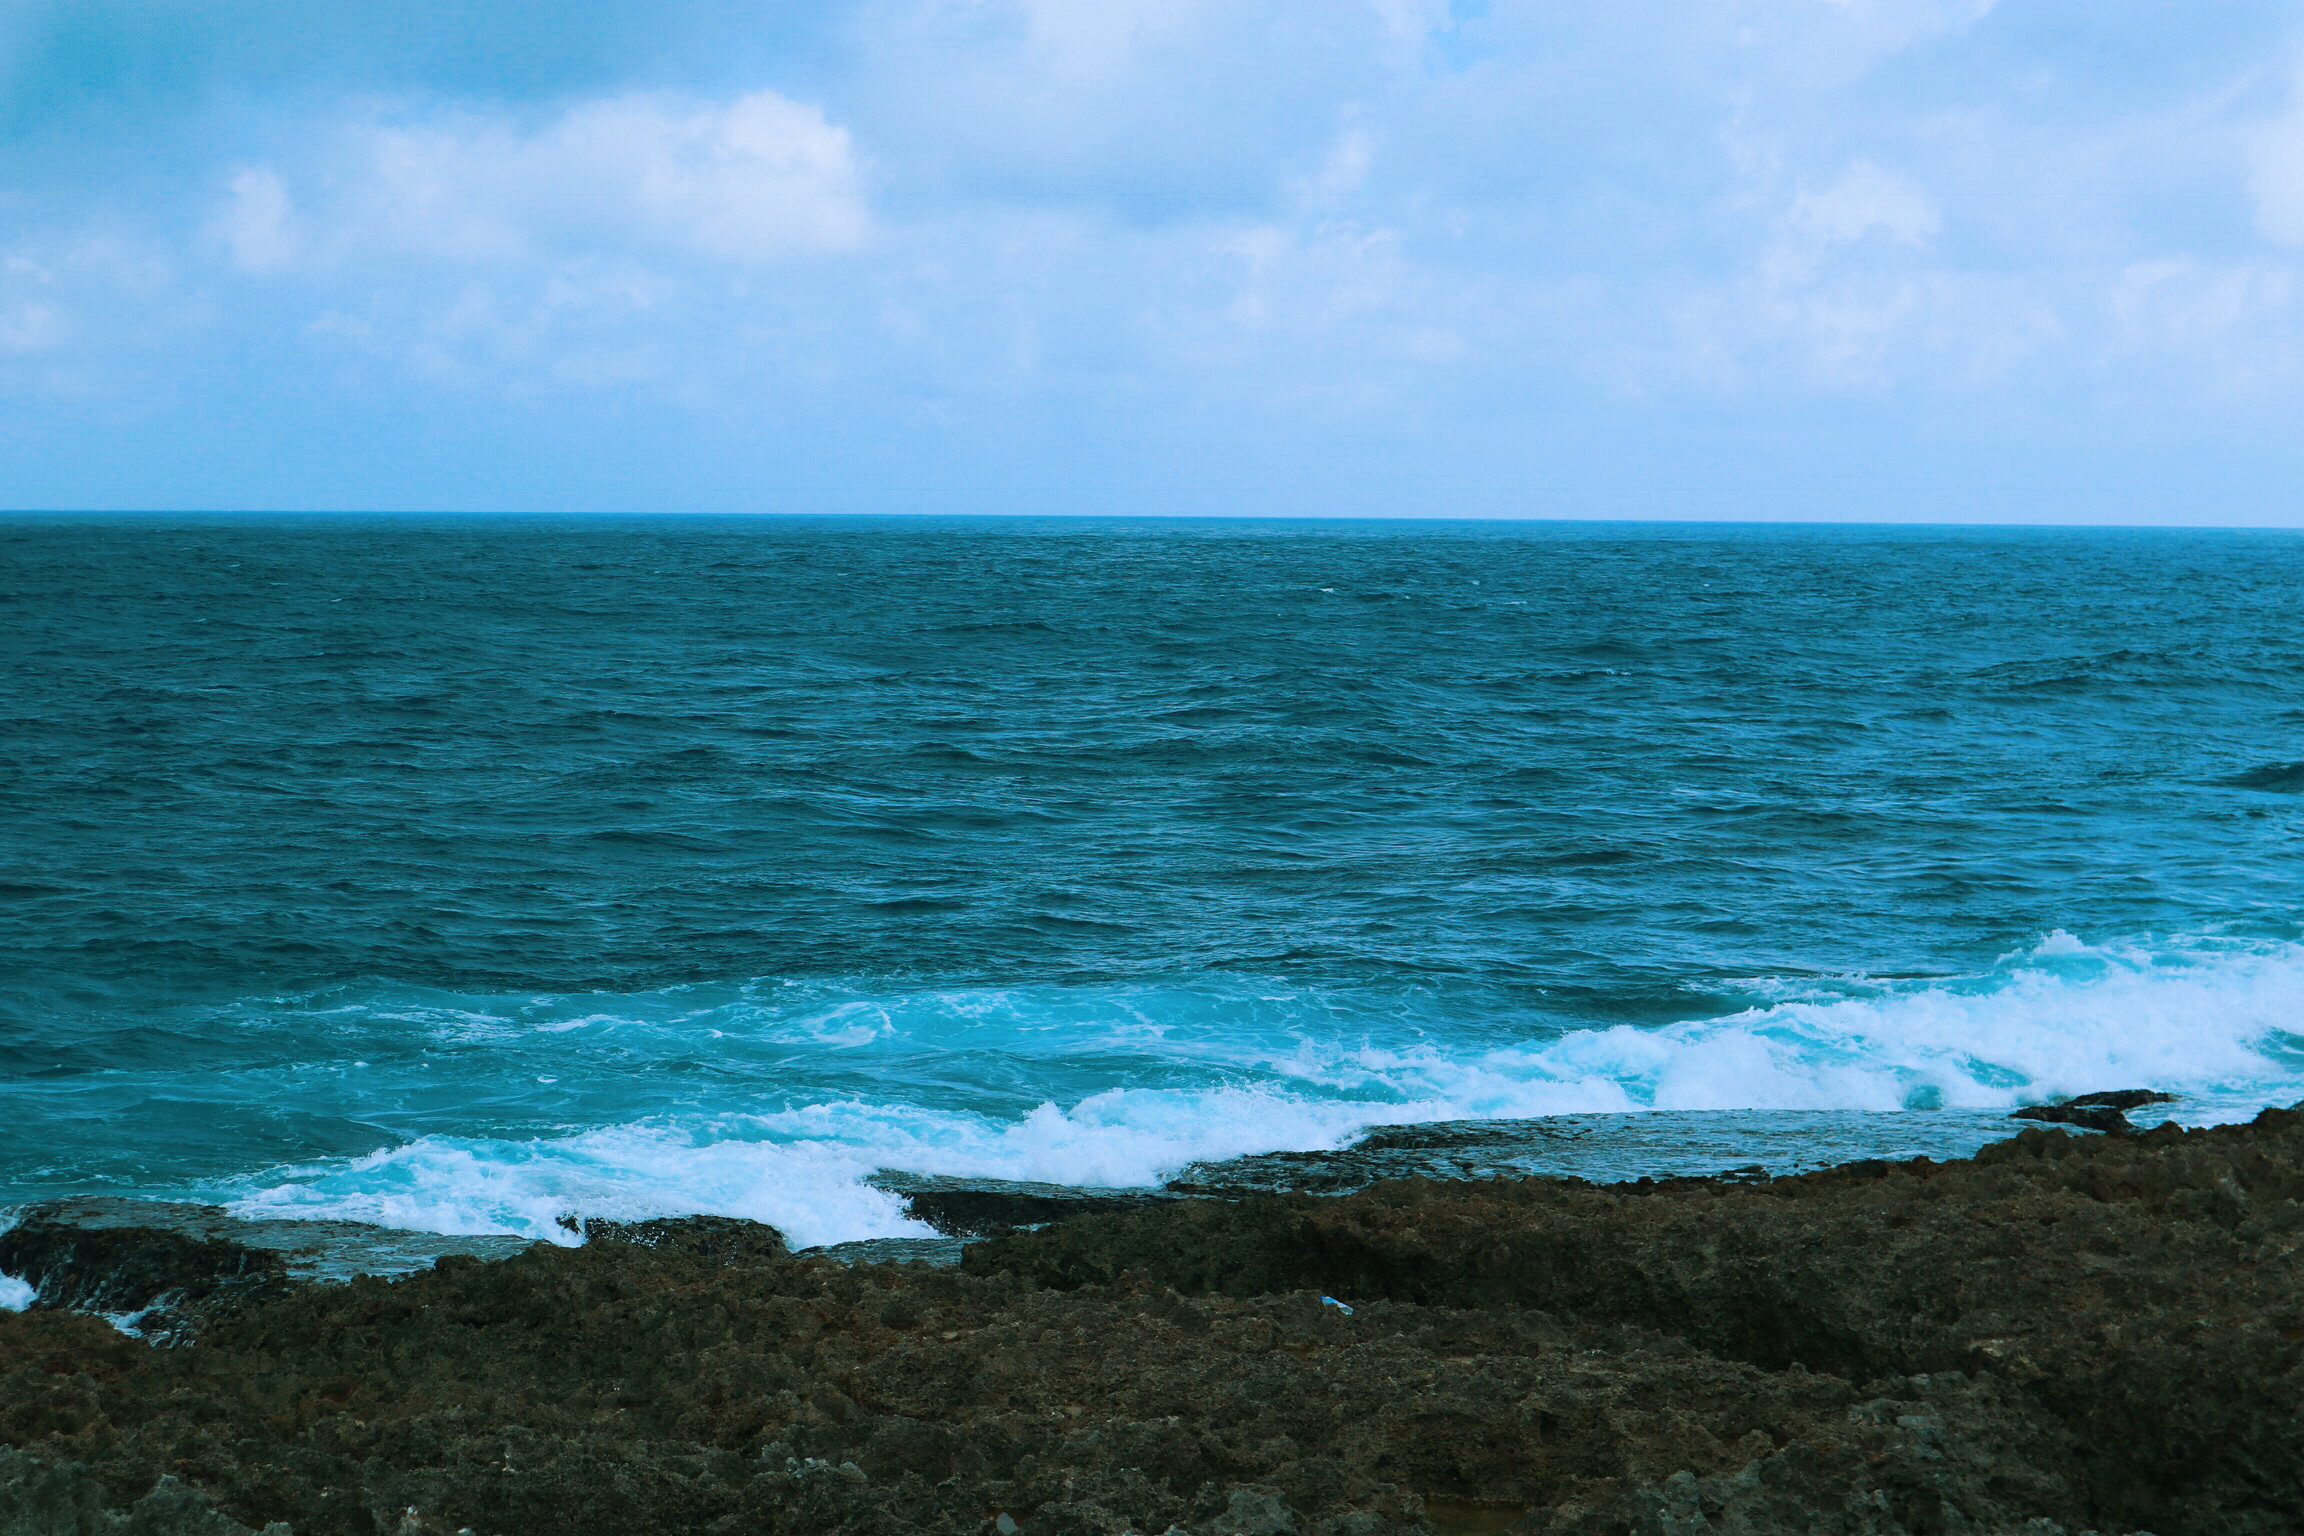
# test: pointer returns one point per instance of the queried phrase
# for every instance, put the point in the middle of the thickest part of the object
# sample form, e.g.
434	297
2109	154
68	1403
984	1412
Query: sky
1944	259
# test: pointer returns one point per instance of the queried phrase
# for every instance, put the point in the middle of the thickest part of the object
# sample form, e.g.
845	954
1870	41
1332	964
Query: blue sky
1937	258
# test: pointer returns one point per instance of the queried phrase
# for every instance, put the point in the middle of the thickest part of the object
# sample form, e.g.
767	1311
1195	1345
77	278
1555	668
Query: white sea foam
2208	1020
2063	1018
15	1294
800	1170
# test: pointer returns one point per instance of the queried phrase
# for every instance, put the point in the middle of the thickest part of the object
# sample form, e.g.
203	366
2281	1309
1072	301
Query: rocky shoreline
2066	1332
1597	1148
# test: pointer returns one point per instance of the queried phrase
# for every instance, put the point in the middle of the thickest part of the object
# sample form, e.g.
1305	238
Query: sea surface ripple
456	872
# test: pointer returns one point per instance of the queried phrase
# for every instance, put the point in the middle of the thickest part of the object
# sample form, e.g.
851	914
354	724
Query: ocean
461	873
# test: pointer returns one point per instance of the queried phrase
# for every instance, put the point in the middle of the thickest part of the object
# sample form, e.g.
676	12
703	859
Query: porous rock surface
168	1283
2065	1334
40	1499
960	1207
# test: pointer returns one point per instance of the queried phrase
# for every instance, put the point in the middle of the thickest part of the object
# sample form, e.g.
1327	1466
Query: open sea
455	873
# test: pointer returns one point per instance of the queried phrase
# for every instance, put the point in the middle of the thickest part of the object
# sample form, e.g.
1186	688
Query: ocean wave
2278	778
2212	1020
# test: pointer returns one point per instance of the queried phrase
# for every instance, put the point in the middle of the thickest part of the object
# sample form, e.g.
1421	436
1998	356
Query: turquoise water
459	872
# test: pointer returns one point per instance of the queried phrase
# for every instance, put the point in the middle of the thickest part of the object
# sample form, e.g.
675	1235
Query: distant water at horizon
457	872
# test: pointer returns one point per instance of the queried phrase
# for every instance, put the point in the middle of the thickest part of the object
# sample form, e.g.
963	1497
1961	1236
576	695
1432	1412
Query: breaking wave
2211	1020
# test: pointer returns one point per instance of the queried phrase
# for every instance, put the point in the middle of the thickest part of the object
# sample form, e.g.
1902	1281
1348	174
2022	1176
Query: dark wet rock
2095	1111
2066	1334
2123	1099
1471	1135
971	1207
723	1239
1599	1148
167	1269
2087	1117
164	1285
1723	1143
939	1251
1312	1173
311	1250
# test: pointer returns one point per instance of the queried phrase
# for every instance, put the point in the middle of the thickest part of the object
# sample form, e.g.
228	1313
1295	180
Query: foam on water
465	872
15	1294
2213	1022
2205	1018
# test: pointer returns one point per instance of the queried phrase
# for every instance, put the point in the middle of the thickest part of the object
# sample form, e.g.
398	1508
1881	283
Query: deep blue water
458	871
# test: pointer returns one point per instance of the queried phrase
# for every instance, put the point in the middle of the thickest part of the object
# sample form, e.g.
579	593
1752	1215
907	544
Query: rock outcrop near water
965	1207
2106	1112
1739	1144
1601	1148
165	1284
2067	1333
165	1270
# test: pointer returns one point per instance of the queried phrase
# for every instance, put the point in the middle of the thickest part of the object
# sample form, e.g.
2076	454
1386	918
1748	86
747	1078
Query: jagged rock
2124	1099
942	1252
724	1239
2095	1117
1312	1173
2095	1111
2065	1334
311	1250
1719	1143
1254	1512
1600	1148
972	1207
39	1498
2135	1290
164	1285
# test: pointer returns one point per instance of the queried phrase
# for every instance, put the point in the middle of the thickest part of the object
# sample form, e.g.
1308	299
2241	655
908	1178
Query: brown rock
2065	1334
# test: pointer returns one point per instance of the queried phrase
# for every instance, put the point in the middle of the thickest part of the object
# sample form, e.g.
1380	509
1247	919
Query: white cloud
1274	222
1167	110
258	222
1408	25
1343	173
30	326
83	313
583	324
2276	174
1863	203
30	321
758	177
1864	200
2233	327
1080	41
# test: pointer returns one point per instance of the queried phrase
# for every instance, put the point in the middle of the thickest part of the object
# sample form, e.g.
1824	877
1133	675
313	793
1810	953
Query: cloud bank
703	253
